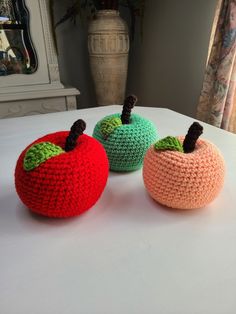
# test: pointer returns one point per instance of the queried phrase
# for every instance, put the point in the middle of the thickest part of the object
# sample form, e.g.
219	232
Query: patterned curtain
217	104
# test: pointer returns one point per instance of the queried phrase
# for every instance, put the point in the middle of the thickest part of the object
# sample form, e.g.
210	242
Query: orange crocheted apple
184	173
62	174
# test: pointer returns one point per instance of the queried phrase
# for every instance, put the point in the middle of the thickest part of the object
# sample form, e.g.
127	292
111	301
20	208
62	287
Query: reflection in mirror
17	53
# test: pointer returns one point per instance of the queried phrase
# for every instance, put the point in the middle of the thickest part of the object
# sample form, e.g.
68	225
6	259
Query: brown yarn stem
76	130
193	134
129	103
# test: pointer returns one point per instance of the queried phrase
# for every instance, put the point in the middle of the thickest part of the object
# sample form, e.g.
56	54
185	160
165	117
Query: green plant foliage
86	10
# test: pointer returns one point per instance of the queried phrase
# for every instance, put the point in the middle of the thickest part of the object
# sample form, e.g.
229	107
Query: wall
73	56
165	70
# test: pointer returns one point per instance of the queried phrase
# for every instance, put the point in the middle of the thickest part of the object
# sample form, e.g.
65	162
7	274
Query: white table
127	254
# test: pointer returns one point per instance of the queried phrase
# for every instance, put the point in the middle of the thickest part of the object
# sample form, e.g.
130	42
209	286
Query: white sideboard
41	91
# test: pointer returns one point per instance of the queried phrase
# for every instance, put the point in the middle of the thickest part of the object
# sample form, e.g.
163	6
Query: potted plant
108	43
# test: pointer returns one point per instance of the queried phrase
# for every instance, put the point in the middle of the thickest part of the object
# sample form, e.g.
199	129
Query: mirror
17	53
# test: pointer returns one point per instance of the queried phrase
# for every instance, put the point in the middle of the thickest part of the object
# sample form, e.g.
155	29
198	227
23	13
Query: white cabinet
40	91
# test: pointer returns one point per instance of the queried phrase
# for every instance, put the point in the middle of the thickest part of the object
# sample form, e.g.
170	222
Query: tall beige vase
108	45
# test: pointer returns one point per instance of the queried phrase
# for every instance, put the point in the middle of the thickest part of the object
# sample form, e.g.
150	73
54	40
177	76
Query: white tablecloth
127	254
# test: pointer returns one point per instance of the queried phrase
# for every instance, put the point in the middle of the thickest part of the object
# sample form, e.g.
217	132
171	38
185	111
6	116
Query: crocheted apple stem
193	134
129	103
76	130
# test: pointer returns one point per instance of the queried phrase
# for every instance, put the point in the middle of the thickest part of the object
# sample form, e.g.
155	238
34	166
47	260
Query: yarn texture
184	181
127	144
66	184
109	125
39	153
170	143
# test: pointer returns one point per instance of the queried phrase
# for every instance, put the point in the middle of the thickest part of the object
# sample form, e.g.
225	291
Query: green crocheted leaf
169	143
39	153
109	125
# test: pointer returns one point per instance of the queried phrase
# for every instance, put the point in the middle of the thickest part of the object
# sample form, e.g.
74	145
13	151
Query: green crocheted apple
125	137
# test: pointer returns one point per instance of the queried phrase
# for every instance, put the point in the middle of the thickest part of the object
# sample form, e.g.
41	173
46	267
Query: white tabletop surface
127	254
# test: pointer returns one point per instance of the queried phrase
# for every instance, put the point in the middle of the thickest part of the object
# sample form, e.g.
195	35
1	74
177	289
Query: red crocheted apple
62	174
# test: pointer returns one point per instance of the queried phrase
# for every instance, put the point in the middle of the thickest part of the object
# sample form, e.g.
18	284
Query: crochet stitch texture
39	153
170	143
67	184
184	181
109	125
128	143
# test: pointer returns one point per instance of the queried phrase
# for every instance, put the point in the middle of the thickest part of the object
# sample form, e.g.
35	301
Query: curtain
217	104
